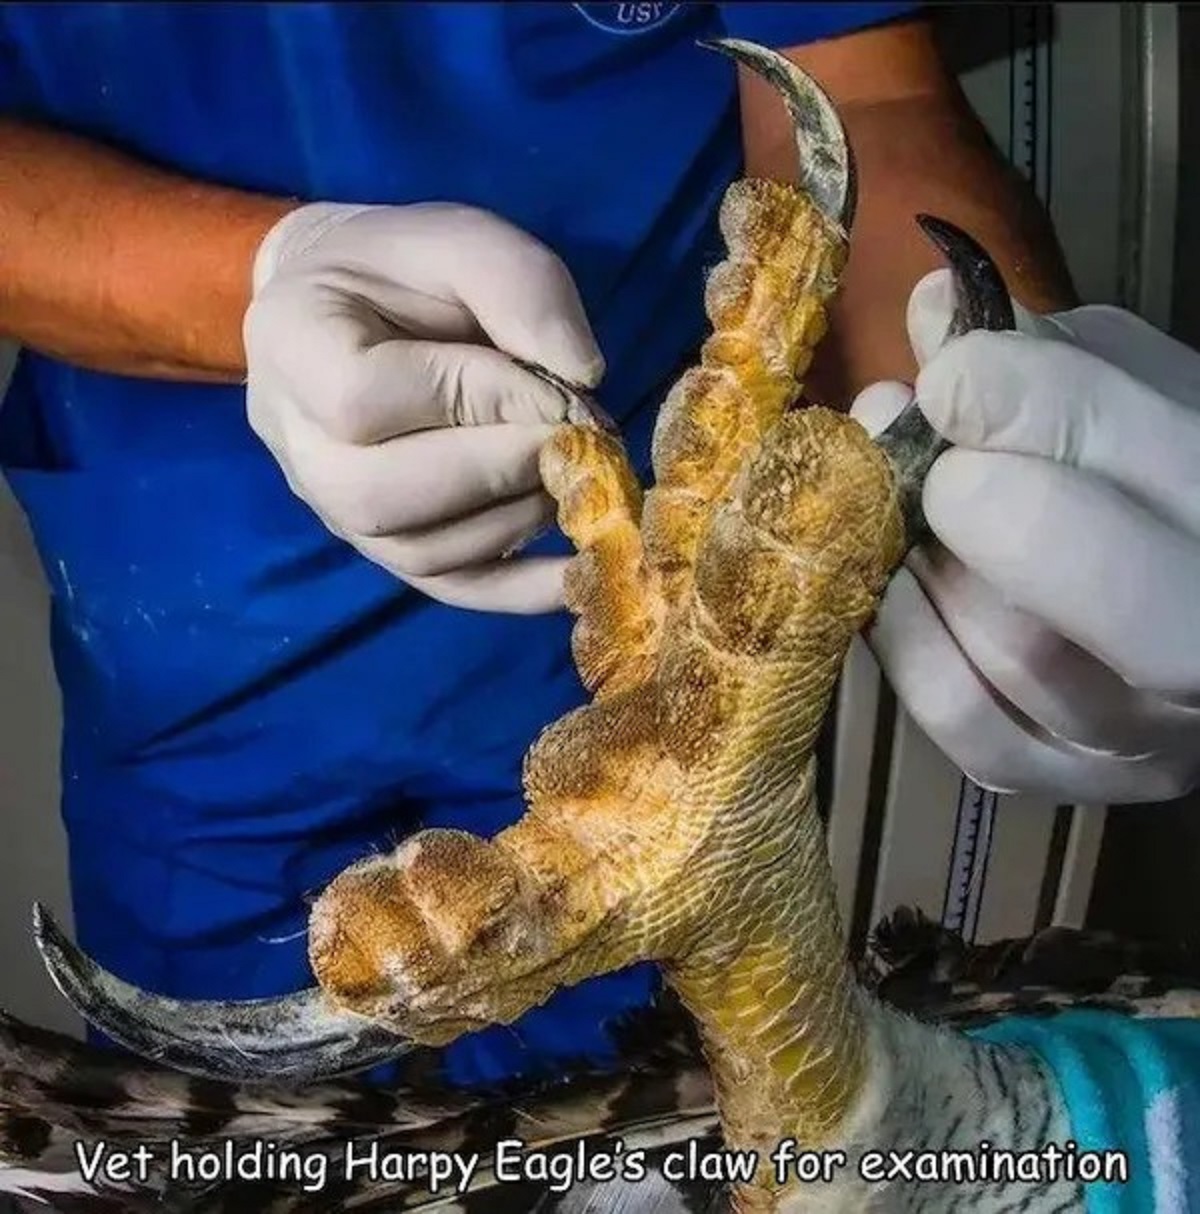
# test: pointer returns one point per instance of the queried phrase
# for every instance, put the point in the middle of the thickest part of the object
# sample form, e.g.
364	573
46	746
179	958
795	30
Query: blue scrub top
249	706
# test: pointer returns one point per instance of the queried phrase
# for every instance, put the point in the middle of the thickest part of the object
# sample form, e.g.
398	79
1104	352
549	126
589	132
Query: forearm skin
114	265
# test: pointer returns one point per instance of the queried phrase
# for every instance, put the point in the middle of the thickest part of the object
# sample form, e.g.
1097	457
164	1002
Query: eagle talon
298	1038
826	171
982	299
982	302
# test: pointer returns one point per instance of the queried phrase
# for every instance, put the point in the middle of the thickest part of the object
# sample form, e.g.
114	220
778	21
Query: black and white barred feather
58	1096
916	964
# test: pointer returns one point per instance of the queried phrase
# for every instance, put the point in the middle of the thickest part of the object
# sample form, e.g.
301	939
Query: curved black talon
295	1038
982	301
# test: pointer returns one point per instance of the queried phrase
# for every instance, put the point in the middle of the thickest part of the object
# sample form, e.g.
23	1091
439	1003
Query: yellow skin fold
672	818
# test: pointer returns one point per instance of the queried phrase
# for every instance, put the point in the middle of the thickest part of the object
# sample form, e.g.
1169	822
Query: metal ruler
969	859
1031	26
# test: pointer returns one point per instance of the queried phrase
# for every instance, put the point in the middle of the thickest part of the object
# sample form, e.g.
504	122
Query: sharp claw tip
731	48
941	231
983	296
954	243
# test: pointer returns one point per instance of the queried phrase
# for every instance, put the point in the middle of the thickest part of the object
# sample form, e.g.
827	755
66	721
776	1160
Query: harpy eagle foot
712	620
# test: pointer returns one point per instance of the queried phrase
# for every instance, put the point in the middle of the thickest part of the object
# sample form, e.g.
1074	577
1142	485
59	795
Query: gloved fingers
981	733
1137	347
516	287
1114	334
1004	392
878	405
523	585
345	368
414	482
475	539
1075	552
406	386
1047	678
931	309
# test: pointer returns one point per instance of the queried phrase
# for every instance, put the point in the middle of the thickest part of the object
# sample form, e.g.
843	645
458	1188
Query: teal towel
1131	1086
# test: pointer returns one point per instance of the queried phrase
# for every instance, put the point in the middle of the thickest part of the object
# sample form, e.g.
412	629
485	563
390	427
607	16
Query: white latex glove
377	345
1050	642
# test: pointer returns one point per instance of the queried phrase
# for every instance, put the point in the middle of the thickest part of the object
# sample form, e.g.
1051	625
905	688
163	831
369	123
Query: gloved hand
1049	639
377	345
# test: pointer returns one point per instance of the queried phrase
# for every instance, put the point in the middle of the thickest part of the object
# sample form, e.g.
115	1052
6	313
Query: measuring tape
1030	31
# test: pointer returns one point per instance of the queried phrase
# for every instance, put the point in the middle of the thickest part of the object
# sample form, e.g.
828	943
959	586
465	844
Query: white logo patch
627	18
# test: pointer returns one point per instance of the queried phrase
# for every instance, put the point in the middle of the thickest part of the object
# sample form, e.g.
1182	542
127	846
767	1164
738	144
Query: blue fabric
1130	1086
249	706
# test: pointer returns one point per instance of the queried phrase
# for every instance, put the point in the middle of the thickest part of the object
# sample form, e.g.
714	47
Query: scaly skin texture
672	818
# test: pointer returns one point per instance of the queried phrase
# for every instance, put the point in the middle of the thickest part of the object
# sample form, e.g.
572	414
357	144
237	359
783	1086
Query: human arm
113	264
369	339
918	147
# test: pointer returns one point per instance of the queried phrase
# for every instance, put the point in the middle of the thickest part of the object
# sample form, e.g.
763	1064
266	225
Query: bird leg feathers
56	1093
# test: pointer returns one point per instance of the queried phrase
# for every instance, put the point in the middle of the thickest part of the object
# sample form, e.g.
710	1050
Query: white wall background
32	842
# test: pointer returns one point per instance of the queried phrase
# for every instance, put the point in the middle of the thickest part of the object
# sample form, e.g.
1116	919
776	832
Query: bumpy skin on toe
712	623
